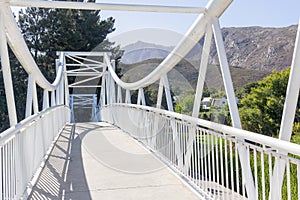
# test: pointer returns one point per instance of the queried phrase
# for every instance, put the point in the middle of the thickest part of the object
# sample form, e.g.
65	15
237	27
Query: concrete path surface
99	161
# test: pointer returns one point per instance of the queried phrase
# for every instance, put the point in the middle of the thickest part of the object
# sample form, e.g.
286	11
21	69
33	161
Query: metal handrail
231	131
10	133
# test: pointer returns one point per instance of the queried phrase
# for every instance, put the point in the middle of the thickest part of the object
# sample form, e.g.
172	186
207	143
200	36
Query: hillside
257	48
184	76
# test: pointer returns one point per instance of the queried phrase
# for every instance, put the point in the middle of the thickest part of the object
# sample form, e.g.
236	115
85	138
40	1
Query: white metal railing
23	149
24	146
214	167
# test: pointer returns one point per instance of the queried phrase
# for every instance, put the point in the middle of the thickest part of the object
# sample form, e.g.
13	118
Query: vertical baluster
231	167
270	170
214	182
222	167
192	159
205	161
255	171
237	167
209	161
217	163
202	159
198	157
288	179
226	169
298	179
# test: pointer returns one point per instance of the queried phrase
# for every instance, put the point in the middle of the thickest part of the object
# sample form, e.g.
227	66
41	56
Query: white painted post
202	70
61	86
107	84
235	117
141	97
199	91
160	93
7	78
65	80
112	84
168	93
53	103
35	98
119	97
103	85
128	97
288	116
28	110
45	99
58	93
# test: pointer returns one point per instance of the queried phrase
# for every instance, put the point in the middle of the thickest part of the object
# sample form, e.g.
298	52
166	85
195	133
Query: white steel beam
21	51
199	90
102	98
65	79
83	73
85	86
84	53
53	103
112	84
288	116
86	80
119	95
168	92
35	98
160	93
6	72
107	88
202	70
234	113
106	6
28	110
128	97
141	97
292	94
215	8
45	99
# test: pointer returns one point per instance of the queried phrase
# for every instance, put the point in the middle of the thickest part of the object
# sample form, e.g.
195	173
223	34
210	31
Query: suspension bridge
130	150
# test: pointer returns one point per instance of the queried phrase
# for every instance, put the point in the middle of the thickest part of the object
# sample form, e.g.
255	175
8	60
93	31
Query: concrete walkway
99	161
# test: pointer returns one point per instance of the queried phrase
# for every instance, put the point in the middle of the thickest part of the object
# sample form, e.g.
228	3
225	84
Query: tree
47	31
262	106
185	104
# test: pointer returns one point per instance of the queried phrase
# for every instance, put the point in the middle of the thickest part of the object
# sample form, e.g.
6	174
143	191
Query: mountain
259	48
256	48
140	51
184	76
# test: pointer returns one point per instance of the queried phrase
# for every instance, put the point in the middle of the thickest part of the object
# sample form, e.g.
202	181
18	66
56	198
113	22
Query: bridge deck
99	161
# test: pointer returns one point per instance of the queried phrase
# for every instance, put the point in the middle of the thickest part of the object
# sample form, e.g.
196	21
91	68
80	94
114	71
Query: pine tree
47	31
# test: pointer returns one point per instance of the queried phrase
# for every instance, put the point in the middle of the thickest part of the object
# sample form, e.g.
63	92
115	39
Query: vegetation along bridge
131	150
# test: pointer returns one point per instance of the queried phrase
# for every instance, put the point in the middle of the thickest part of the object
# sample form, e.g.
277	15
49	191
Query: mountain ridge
255	48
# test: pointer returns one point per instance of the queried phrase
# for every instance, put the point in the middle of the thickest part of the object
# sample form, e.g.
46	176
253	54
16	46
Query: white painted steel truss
184	130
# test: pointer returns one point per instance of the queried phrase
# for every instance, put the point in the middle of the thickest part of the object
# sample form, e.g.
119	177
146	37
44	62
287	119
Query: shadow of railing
63	176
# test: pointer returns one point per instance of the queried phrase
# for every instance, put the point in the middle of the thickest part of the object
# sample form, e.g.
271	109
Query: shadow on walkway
63	176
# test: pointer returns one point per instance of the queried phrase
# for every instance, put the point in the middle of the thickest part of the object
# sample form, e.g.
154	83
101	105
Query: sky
241	13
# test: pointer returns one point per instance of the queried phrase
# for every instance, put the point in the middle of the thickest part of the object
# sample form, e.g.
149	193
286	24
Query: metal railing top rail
84	53
10	133
21	51
107	6
275	143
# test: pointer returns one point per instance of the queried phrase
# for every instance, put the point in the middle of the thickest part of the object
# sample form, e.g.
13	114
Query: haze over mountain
257	48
